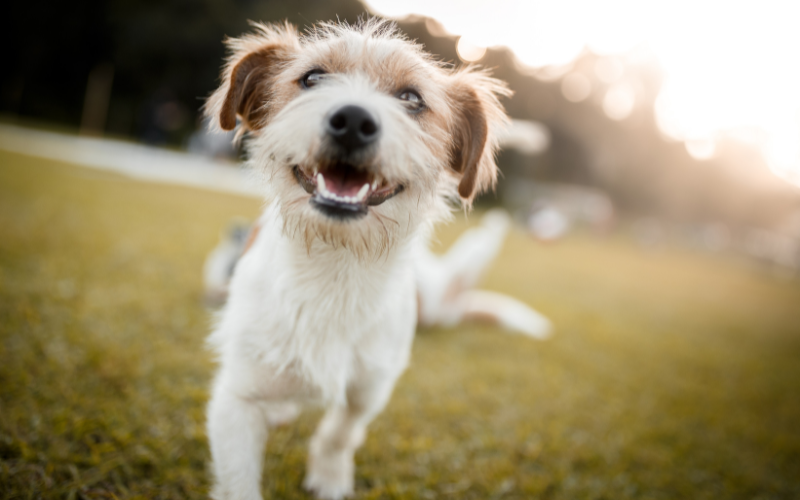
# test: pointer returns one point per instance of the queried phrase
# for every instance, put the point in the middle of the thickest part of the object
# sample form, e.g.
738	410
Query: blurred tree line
159	60
164	57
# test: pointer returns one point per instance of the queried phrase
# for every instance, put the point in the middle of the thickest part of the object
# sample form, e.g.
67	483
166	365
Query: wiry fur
322	310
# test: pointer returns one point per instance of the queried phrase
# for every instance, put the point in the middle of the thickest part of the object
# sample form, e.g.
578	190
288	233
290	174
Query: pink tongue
344	182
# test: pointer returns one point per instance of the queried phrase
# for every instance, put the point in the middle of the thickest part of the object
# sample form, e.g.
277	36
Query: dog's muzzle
342	187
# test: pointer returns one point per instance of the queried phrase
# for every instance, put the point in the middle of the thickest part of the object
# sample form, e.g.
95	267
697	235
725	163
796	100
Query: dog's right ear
249	74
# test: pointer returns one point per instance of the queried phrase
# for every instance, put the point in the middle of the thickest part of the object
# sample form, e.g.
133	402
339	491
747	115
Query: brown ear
249	90
249	76
477	115
469	140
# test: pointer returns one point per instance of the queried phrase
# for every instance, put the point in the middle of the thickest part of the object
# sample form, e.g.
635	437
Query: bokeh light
701	149
619	101
576	87
468	51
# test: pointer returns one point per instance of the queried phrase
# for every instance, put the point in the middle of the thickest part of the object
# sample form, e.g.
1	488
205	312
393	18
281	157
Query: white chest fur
321	313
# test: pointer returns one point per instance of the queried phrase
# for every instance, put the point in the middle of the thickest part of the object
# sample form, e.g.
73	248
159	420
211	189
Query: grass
672	374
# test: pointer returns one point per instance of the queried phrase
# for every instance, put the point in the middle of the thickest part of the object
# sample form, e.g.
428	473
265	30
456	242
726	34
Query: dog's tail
508	312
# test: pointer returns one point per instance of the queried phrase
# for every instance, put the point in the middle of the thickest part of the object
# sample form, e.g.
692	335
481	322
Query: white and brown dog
364	142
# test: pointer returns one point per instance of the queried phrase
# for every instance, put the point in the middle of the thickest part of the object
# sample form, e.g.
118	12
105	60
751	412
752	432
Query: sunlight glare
609	69
727	66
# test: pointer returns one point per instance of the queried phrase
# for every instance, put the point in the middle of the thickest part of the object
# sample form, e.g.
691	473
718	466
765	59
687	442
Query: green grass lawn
671	375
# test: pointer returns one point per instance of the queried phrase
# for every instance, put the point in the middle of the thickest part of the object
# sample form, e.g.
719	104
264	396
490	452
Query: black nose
353	127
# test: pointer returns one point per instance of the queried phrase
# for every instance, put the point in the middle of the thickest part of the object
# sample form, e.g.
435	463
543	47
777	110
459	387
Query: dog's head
362	136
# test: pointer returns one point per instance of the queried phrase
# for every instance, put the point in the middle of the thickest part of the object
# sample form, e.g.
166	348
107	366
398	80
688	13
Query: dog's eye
412	99
312	78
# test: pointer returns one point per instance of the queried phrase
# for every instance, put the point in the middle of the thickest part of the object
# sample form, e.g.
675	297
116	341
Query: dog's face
362	136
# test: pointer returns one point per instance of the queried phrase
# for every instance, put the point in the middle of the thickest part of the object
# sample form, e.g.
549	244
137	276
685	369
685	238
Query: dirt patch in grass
672	375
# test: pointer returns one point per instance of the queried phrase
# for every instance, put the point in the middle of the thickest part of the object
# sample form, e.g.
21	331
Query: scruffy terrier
364	142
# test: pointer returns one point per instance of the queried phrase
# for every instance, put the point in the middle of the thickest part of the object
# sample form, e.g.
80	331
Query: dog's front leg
331	465
237	431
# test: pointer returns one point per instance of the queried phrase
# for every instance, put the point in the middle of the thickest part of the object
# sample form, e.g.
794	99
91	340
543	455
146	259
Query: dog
363	142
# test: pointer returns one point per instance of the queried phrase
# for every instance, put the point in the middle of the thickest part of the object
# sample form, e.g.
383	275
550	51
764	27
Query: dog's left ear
477	117
249	74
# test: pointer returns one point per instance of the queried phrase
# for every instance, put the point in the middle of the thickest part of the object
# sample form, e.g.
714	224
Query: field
671	375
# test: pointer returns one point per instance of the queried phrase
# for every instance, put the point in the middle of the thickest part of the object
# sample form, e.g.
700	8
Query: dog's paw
330	477
230	492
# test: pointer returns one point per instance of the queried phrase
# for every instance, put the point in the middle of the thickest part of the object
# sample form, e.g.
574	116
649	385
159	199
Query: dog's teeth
322	190
374	185
362	193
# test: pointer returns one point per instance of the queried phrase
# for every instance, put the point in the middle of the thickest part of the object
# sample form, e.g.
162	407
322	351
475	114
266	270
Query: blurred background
681	120
652	167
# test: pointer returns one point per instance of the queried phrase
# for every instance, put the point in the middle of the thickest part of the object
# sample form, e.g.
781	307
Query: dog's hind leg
342	430
468	258
446	284
441	280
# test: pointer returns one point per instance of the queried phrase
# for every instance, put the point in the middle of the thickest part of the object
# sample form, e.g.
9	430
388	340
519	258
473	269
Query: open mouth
343	191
